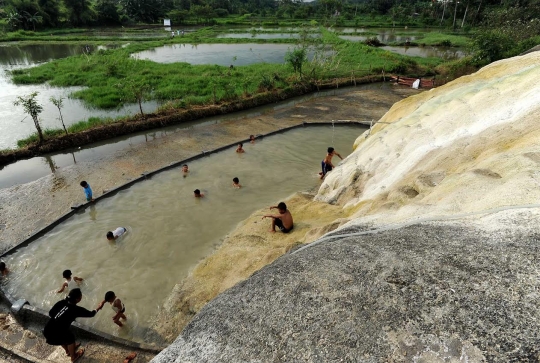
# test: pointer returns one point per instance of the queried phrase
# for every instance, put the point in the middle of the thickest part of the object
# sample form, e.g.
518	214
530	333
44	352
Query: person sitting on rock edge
284	221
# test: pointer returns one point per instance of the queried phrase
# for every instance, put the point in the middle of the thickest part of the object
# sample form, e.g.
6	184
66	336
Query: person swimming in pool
236	183
72	282
284	221
240	148
197	193
111	236
185	170
326	164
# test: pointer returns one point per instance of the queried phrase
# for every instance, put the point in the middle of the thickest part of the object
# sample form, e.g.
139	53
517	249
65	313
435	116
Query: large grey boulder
463	290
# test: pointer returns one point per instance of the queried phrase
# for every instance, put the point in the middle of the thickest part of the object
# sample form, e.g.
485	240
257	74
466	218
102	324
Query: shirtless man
326	164
283	220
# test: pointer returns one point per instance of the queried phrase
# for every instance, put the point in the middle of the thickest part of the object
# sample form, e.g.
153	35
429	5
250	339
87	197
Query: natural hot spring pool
169	231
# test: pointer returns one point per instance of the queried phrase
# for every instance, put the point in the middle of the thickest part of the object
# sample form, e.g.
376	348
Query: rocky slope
438	262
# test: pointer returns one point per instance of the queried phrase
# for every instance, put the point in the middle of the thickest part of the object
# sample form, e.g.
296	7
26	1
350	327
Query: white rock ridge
468	146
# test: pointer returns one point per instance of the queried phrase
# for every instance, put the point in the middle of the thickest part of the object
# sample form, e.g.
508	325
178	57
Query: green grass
445	39
77	127
109	76
34	138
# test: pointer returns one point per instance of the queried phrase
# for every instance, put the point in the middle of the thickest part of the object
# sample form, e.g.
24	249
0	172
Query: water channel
169	231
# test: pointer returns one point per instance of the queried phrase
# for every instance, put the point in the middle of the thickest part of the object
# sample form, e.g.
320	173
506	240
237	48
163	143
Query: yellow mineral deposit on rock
469	146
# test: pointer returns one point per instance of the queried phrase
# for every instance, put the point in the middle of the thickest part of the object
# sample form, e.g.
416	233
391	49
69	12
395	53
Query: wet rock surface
440	291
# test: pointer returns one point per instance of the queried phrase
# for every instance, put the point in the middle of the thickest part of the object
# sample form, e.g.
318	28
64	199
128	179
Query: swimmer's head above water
197	193
66	274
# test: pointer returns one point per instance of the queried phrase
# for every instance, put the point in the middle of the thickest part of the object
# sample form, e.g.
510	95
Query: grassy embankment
110	76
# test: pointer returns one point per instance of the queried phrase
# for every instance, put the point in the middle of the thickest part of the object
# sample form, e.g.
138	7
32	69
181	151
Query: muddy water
169	230
220	54
25	171
385	38
437	52
265	35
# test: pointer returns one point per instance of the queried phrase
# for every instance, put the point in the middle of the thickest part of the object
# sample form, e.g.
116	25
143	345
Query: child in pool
236	183
117	306
3	269
87	191
185	170
326	164
284	221
197	193
70	283
111	236
240	149
252	139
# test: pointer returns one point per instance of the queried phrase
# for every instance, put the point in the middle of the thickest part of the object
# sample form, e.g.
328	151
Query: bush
221	12
491	45
373	42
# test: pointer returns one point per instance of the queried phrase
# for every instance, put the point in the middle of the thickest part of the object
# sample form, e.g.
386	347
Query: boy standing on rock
326	164
284	221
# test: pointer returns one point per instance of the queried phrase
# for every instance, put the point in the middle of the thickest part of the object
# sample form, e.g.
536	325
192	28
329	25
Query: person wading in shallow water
62	314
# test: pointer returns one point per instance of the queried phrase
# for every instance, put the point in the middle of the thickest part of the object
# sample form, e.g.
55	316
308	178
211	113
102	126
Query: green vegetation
33	109
493	29
444	39
111	76
77	127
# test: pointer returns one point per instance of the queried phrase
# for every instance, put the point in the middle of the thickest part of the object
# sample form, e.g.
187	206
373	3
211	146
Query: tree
13	19
107	12
33	19
296	58
33	108
59	103
136	90
50	11
79	12
146	10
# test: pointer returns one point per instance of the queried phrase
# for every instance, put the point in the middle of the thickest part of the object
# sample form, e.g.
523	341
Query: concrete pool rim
36	314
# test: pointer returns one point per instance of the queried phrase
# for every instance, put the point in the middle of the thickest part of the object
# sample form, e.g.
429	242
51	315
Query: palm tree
33	19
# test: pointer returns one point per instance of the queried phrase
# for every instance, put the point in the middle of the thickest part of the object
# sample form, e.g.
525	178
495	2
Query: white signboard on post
166	22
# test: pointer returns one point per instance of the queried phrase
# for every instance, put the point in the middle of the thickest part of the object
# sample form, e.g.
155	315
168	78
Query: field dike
152	121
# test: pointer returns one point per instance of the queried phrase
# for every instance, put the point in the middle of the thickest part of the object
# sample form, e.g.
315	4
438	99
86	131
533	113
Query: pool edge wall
29	312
